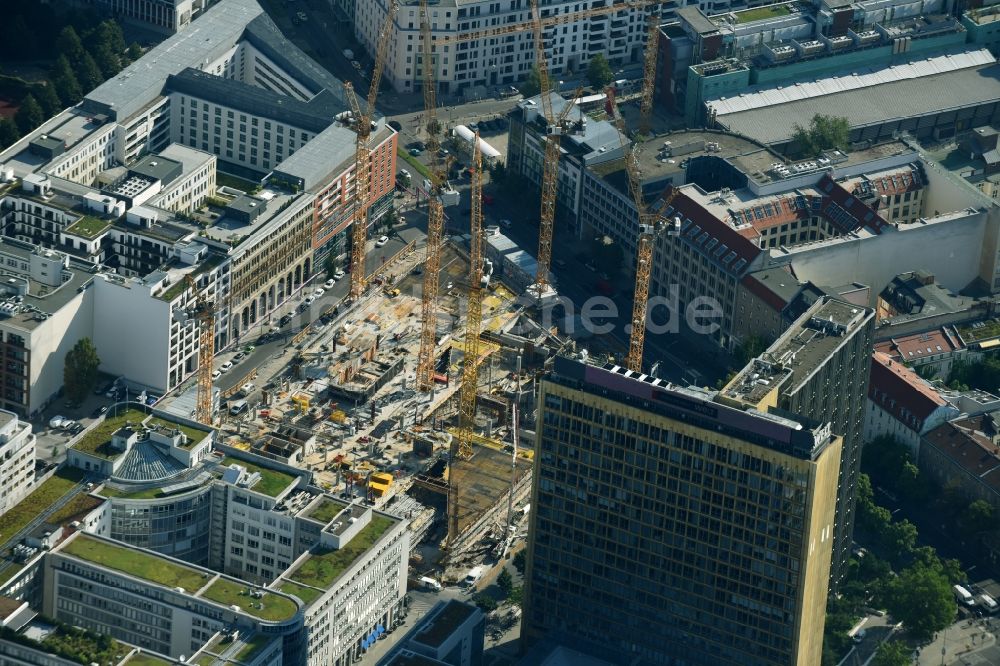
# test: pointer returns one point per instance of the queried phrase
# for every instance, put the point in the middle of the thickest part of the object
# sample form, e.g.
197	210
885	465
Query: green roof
988	329
271	483
147	493
253	646
144	659
194	435
760	13
97	441
323	569
173	291
39	501
136	563
306	594
88	226
326	510
75	509
271	607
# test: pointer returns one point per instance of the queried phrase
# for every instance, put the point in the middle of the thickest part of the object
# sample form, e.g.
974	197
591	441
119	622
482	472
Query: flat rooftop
440	627
228	229
803	348
97	440
203	41
160	570
864	106
272	482
70	126
321	569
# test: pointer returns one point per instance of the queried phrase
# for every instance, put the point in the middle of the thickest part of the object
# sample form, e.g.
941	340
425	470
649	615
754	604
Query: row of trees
81	64
599	75
984	374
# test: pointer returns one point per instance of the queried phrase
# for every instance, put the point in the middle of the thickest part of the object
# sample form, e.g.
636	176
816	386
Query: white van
472	577
964	596
988	603
237	407
429	583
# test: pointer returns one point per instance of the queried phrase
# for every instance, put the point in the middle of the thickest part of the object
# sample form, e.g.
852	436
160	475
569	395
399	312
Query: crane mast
204	316
435	213
649	72
649	230
363	156
556	126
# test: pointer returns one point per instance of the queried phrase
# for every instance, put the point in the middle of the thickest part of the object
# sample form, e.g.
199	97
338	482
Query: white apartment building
17	460
160	15
504	59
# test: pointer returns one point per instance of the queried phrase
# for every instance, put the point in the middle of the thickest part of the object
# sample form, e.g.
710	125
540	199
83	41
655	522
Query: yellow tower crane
204	316
649	72
363	156
556	126
650	227
461	445
435	211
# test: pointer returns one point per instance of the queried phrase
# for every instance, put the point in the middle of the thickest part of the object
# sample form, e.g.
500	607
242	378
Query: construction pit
348	395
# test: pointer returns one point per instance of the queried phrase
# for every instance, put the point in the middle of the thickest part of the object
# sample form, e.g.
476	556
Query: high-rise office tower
669	528
819	369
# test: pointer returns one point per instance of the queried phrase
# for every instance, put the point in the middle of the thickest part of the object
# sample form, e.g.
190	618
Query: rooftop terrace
89	226
97	440
761	13
269	607
272	482
322	569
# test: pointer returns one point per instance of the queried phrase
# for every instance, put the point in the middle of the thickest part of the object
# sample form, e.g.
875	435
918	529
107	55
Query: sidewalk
949	646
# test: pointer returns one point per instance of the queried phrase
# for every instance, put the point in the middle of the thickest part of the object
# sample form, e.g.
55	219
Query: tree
823	133
599	72
29	116
749	349
517	596
65	83
520	561
485	602
505	582
899	538
17	40
80	370
892	653
107	60
46	95
134	52
88	73
68	43
921	599
977	517
9	134
114	35
532	83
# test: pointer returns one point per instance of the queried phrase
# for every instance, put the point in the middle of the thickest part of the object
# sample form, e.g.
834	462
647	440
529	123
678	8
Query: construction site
415	393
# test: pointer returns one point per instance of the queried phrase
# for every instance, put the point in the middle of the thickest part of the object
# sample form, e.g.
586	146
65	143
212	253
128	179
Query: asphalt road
302	318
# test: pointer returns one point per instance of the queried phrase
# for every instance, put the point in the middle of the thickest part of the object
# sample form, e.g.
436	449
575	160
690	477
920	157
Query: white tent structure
490	154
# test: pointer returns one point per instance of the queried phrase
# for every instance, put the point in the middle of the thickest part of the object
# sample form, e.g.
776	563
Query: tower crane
556	126
649	72
204	316
363	156
435	211
461	446
650	228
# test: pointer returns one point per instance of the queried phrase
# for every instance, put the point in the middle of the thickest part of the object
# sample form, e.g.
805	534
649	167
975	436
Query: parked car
419	145
99	412
67	425
319	292
329	283
56	422
239	357
284	319
226	367
416	152
216	374
248	388
338	275
381	241
249	349
308	300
